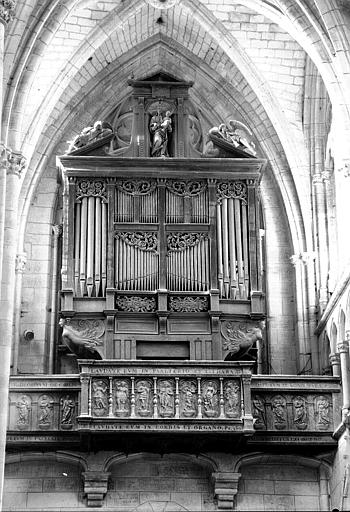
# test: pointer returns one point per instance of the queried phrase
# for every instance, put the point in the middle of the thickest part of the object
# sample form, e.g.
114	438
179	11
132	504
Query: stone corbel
95	487
225	488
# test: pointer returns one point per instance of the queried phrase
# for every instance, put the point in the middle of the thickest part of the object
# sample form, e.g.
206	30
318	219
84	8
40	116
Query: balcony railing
173	396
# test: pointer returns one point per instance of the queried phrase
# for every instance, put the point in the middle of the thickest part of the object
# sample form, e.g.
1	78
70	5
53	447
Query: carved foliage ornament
136	304
181	241
231	190
7	10
162	4
188	304
144	240
186	188
136	187
91	188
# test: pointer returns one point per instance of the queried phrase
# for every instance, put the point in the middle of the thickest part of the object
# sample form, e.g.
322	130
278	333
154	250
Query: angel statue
240	338
83	343
235	133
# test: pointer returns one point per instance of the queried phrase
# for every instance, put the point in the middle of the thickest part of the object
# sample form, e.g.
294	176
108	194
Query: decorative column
7	9
16	164
21	260
334	359
225	488
56	232
343	349
322	246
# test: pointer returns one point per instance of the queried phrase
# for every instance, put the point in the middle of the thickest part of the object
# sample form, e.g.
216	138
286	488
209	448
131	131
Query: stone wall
278	487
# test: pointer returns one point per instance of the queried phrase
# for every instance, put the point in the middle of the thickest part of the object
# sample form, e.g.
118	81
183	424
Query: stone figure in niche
82	344
210	399
90	135
322	412
23	407
300	418
122	397
143	397
231	395
188	397
259	412
67	408
160	127
239	338
166	398
279	412
46	411
99	397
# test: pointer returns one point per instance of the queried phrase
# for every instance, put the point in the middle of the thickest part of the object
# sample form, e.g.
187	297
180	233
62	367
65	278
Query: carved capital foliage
21	260
136	304
7	10
91	188
225	488
186	188
181	241
57	230
188	304
334	359
95	487
11	162
317	179
137	187
144	240
231	190
343	346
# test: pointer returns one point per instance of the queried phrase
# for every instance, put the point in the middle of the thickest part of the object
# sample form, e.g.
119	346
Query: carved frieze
210	398
188	304
122	397
188	398
231	190
99	397
279	412
300	413
67	412
137	187
184	188
166	397
136	304
232	399
144	240
24	408
259	412
45	411
91	188
181	241
144	397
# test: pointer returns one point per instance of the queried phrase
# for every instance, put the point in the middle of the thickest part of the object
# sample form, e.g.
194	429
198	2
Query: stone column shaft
343	349
21	260
16	165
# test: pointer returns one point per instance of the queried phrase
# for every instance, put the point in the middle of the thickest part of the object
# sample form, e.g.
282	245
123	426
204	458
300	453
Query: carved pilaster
225	488
21	261
95	487
7	10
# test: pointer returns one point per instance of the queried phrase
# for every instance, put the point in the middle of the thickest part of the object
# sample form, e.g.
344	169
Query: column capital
334	358
225	488
12	162
21	261
343	346
7	10
57	230
317	179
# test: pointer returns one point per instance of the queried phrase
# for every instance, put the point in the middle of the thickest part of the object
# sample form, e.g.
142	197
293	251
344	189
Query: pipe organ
162	235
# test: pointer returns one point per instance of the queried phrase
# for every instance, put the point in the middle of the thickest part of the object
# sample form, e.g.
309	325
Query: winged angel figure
83	340
235	133
239	338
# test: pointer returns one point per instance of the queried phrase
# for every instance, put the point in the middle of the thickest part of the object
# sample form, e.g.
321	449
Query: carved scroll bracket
186	188
180	241
231	190
136	187
91	188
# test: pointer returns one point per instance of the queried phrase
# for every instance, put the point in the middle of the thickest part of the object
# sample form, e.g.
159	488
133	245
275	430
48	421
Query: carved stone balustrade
183	397
294	409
